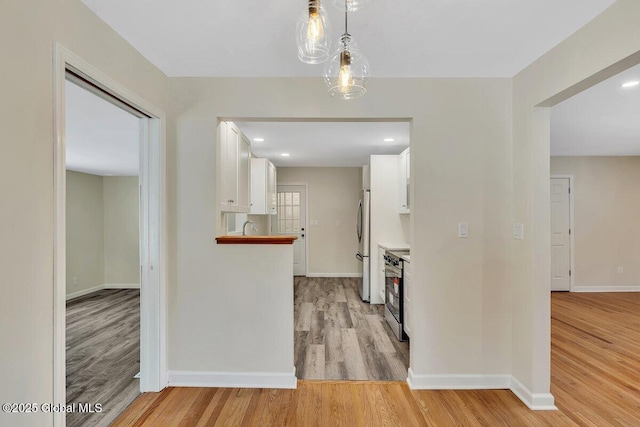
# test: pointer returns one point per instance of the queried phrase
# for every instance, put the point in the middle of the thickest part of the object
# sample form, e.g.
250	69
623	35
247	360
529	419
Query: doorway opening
323	169
594	238
102	255
594	144
146	195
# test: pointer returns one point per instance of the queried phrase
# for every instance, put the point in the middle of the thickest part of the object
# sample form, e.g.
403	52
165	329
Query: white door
560	235
291	220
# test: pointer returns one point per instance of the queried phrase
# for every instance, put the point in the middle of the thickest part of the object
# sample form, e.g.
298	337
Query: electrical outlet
314	222
620	270
75	280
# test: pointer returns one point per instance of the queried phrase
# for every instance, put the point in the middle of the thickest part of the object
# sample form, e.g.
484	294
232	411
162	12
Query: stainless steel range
394	292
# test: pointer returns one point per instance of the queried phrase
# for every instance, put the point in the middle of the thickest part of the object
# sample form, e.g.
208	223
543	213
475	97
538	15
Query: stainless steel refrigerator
362	233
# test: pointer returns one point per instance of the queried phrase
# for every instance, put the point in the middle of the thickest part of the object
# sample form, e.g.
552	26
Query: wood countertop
255	240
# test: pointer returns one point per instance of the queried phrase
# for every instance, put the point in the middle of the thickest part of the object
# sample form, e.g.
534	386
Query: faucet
244	227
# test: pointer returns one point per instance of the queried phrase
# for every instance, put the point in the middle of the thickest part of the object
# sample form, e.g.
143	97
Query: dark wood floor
103	354
339	337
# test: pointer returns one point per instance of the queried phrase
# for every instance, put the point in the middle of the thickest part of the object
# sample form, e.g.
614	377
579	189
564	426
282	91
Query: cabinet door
402	188
229	166
258	186
243	196
406	282
381	275
407	180
272	195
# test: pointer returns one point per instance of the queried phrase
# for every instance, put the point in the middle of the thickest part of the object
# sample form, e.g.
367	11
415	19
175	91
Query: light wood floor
339	337
595	381
103	354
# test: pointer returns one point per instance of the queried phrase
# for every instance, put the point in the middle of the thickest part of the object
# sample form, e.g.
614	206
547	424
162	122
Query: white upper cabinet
404	162
263	187
233	169
244	174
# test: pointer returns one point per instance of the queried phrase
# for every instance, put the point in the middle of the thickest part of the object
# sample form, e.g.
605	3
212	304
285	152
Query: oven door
393	287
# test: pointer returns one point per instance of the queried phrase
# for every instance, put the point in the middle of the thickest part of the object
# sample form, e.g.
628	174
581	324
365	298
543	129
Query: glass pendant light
352	5
347	71
312	31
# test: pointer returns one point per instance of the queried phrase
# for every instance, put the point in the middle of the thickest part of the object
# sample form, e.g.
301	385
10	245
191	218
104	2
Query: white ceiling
102	139
319	143
601	121
407	38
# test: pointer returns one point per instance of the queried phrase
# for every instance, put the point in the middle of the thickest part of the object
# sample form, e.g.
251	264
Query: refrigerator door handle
359	222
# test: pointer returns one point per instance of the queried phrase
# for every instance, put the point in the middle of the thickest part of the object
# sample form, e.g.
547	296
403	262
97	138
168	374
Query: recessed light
632	83
285	154
389	140
258	139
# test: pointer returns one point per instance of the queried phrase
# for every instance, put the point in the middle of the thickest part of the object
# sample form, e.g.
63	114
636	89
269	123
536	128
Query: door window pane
288	212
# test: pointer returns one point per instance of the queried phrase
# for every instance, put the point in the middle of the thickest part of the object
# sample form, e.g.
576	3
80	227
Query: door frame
306	219
153	256
571	179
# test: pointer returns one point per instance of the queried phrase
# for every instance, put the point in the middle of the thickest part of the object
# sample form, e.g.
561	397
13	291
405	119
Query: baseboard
458	382
101	288
83	292
349	275
123	286
233	379
534	401
614	288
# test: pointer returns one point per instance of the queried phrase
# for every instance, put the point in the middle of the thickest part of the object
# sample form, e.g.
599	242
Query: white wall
29	29
387	225
121	230
606	232
592	54
103	242
85	233
471	320
332	195
461	322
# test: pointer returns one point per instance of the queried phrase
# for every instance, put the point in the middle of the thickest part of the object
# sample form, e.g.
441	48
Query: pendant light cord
345	17
346	30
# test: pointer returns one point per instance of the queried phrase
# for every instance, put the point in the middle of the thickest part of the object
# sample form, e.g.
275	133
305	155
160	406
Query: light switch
314	222
338	223
518	231
463	230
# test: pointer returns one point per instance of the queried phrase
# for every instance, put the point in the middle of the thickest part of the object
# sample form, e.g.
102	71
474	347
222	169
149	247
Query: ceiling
411	38
408	38
321	143
601	121
101	139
